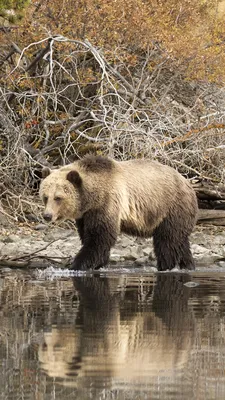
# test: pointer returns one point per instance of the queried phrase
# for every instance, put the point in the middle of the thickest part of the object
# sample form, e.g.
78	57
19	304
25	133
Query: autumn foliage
191	32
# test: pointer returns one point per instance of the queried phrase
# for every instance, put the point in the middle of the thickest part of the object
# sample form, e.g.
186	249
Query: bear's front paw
78	266
84	261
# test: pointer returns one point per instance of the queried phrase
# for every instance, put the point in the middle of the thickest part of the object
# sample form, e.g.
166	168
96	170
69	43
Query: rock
40	227
131	254
56	234
11	239
148	251
31	217
142	261
126	241
151	269
140	241
9	249
221	264
196	249
205	261
116	258
218	240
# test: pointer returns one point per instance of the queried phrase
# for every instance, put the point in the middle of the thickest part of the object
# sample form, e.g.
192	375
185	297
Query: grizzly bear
137	197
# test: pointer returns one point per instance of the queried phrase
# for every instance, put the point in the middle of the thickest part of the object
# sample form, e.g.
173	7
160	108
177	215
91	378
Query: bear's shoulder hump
97	164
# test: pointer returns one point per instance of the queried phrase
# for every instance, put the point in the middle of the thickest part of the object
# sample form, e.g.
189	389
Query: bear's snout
47	217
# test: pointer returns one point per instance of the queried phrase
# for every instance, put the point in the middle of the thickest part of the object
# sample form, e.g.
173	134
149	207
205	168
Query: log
206	191
211	217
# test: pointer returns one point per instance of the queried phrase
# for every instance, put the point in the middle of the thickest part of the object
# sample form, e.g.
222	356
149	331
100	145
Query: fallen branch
211	217
30	255
205	191
34	262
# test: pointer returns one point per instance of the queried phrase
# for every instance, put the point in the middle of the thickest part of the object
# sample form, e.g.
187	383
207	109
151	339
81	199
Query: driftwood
211	217
206	191
211	199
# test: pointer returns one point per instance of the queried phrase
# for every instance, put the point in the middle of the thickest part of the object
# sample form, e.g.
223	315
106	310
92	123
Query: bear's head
60	192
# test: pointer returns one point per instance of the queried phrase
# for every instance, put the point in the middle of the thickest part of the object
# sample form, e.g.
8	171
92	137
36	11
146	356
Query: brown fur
97	164
136	197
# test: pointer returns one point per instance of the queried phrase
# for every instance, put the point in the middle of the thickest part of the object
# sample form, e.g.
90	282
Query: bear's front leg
99	234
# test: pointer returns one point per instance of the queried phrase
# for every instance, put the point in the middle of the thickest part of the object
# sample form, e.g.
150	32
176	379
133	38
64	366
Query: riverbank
40	245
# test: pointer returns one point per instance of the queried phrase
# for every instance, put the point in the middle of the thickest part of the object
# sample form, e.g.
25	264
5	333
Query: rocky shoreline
53	245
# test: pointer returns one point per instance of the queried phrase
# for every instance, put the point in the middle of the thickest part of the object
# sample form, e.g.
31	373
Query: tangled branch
70	100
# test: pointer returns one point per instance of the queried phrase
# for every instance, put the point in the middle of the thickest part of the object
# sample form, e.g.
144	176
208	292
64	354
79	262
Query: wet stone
197	249
148	251
126	241
142	260
40	227
221	264
133	255
116	258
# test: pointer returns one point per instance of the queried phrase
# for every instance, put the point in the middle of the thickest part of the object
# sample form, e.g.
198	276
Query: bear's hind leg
165	251
171	246
186	261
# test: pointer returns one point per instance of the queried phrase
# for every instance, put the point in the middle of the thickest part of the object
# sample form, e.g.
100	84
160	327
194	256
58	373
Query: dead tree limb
207	191
211	217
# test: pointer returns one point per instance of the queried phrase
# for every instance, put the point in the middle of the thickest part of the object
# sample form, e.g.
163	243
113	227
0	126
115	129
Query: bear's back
135	185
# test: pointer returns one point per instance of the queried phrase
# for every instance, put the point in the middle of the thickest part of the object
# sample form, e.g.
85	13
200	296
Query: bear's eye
45	199
57	199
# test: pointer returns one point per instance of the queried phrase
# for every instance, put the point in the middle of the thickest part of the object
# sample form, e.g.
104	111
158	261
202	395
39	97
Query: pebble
142	260
221	264
40	227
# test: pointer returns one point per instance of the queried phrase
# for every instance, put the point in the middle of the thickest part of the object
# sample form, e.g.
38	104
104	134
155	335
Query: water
112	335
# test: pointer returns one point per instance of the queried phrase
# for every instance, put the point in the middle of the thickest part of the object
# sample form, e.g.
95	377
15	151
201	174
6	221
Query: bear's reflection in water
122	334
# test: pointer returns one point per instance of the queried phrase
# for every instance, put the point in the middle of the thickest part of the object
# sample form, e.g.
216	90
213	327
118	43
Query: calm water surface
128	336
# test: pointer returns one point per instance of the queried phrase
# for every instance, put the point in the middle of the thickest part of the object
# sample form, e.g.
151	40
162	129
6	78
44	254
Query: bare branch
70	100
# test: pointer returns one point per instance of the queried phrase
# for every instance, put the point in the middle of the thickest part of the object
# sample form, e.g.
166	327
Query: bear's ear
74	178
45	172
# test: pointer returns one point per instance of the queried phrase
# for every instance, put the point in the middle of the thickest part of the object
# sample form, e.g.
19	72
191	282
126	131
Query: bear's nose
47	217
